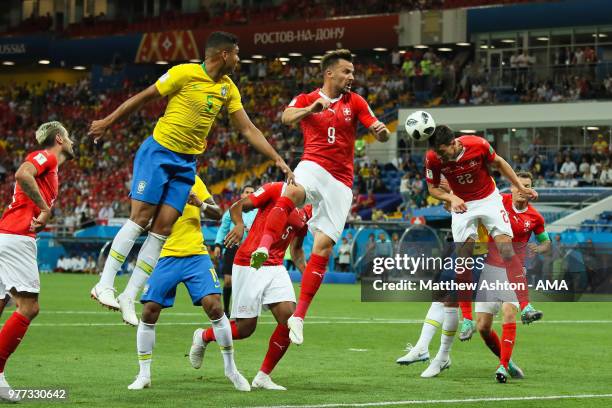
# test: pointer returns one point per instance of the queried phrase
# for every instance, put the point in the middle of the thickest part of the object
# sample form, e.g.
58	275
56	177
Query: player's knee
295	194
29	309
214	311
484	327
150	313
246	328
323	249
212	307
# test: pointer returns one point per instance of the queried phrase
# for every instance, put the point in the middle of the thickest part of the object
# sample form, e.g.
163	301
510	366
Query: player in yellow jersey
184	258
165	164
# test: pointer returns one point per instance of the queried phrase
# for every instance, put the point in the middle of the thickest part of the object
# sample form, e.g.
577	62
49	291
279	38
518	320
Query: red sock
208	335
514	272
276	221
311	280
466	310
492	341
277	346
508	337
12	333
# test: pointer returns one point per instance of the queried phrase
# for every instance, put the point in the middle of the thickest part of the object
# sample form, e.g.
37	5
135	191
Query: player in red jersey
269	287
525	220
35	192
464	161
324	177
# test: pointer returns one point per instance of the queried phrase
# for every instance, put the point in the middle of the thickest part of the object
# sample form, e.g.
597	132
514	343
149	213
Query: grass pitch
348	357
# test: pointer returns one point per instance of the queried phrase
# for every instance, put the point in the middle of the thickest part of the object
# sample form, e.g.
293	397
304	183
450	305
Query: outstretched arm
97	127
508	172
259	142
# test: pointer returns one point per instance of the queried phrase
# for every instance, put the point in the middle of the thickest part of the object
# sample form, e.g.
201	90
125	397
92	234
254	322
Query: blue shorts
162	176
197	273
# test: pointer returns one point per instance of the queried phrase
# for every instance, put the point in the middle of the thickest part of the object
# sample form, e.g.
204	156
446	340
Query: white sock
223	334
120	249
449	328
147	259
433	321
145	341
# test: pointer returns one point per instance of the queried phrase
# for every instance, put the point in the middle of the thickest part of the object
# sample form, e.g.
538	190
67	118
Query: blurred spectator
568	168
344	255
605	179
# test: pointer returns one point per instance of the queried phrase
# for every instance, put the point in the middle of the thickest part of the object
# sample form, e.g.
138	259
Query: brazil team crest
223	91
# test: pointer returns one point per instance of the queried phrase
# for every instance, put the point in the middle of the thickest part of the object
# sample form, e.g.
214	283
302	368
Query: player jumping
269	287
464	161
324	177
165	164
35	192
184	258
525	220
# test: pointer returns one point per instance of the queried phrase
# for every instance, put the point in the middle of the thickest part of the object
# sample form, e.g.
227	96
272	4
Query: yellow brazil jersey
194	100
186	238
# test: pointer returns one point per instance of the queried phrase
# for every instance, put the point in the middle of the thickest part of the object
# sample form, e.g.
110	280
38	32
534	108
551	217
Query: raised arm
292	115
128	107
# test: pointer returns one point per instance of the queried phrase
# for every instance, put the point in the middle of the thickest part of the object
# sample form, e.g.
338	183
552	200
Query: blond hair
48	130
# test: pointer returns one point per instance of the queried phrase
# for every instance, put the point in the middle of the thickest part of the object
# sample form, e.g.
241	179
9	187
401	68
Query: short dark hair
247	186
525	174
220	40
333	57
443	135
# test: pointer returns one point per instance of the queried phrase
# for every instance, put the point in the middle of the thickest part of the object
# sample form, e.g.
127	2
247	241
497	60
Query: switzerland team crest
167	46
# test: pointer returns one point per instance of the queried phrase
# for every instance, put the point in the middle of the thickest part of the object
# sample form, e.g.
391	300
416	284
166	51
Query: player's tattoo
30	188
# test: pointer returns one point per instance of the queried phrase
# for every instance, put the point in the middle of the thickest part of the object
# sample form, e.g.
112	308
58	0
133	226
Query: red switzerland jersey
18	216
523	223
329	136
265	199
467	175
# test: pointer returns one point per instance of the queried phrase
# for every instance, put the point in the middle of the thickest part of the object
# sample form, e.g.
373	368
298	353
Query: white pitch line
448	401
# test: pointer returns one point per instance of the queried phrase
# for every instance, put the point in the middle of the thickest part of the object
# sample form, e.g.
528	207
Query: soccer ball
420	126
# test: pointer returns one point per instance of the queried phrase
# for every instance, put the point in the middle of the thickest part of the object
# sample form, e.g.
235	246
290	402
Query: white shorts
489	210
331	199
490	301
18	266
253	289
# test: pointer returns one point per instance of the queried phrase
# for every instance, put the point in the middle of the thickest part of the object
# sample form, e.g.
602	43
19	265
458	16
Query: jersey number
465	179
331	135
504	216
287	232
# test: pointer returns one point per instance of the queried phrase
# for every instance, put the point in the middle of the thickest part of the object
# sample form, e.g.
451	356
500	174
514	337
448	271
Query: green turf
96	362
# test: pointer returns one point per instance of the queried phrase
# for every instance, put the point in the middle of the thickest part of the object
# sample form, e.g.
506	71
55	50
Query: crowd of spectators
569	167
95	185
